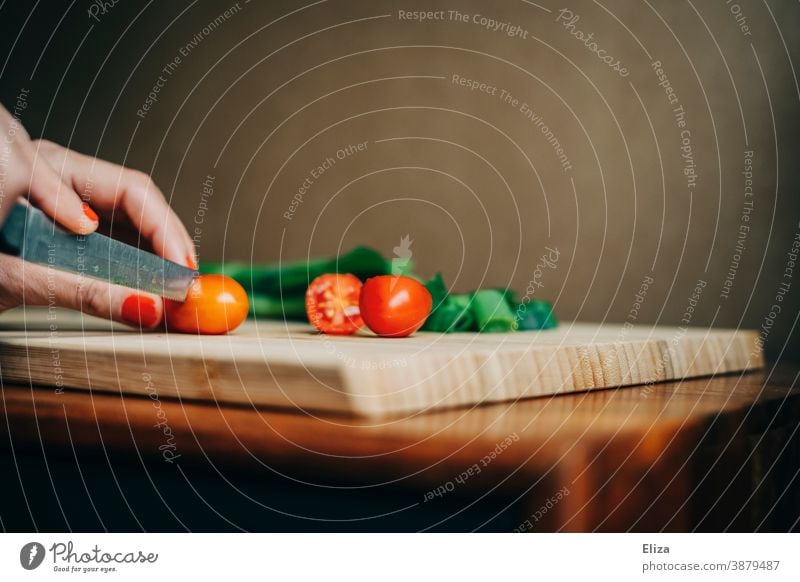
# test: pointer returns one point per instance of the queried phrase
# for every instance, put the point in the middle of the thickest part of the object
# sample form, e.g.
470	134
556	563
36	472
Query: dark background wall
273	89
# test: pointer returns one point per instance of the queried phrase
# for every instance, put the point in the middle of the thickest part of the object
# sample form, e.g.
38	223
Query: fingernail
190	262
90	214
140	310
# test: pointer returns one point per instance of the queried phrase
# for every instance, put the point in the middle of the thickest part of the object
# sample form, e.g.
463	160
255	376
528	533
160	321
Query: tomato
332	304
394	306
216	304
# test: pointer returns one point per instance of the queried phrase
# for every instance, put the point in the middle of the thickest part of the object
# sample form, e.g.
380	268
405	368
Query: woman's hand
79	192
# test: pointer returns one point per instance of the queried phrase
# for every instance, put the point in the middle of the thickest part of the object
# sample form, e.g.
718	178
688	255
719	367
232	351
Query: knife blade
29	234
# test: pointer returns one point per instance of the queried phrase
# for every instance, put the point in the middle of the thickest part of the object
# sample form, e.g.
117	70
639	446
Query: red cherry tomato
394	306
216	304
332	304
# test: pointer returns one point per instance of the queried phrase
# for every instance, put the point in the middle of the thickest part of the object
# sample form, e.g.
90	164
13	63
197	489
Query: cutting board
269	363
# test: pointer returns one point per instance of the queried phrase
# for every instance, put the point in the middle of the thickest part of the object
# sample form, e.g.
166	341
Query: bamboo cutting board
288	365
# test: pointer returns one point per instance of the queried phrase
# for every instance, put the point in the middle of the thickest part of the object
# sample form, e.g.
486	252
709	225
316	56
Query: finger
148	210
111	187
39	285
58	200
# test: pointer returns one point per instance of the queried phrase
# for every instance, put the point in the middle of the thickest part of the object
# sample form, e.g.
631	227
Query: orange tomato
216	304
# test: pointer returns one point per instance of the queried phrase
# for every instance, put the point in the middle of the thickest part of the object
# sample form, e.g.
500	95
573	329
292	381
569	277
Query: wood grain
709	454
290	366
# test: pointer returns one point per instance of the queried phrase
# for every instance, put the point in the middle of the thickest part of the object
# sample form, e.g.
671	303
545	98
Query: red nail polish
190	262
90	214
140	310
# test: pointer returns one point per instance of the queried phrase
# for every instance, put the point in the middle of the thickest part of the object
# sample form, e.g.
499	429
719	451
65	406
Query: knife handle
12	234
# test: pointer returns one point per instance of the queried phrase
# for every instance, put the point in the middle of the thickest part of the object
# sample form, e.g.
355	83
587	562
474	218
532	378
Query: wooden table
708	454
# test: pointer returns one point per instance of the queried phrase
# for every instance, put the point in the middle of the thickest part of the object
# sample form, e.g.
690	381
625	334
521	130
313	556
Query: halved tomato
332	304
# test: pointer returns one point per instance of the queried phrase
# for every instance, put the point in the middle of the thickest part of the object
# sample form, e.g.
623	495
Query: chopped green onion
449	312
466	318
535	315
492	312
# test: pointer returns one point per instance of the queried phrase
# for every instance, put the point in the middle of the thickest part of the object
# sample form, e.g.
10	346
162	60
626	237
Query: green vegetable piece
448	318
268	307
238	270
437	290
449	312
466	318
439	319
291	279
492	312
294	278
363	262
438	300
534	315
512	297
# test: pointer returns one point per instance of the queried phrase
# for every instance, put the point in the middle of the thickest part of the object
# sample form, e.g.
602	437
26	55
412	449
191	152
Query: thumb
58	200
45	286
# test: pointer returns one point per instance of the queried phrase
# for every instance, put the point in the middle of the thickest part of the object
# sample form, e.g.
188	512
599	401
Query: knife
29	234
